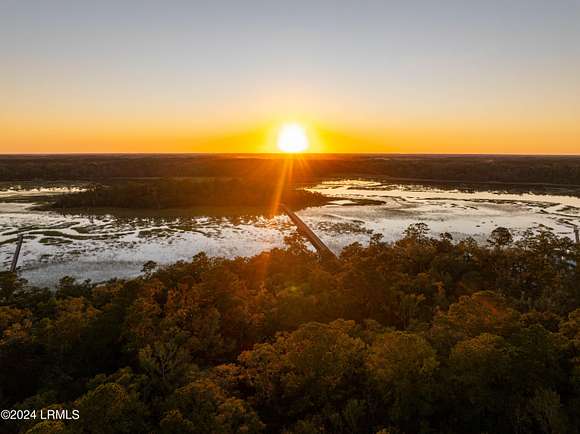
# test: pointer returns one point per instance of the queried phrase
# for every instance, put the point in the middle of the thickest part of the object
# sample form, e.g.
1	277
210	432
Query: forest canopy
422	335
563	170
176	193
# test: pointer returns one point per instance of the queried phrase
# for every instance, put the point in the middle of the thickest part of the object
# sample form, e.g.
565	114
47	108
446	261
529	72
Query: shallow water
105	246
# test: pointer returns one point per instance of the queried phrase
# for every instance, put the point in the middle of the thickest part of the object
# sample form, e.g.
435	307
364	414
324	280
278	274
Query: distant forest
423	335
502	169
173	193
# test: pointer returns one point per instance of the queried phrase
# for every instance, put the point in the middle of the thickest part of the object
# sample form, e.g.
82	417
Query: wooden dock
320	247
16	253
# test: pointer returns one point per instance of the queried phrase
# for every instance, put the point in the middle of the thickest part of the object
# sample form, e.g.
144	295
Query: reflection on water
377	190
105	246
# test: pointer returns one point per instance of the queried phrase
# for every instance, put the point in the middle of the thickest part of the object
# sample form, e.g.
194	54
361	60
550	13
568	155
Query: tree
302	371
110	408
402	368
202	407
500	237
483	312
480	370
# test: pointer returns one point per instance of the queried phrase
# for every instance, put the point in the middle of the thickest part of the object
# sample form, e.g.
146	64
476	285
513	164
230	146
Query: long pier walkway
320	247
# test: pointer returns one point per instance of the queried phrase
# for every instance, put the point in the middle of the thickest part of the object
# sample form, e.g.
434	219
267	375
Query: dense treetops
485	168
424	335
175	193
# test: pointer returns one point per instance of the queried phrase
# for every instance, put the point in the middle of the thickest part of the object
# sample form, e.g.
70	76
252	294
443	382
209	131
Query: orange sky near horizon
442	77
147	137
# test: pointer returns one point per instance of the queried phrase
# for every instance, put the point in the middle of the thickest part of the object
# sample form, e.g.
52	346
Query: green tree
110	409
402	369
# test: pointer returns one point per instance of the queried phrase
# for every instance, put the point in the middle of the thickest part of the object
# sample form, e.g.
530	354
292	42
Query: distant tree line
424	335
173	193
504	169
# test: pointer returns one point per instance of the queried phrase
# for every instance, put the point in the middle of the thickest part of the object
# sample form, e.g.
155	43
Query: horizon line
286	155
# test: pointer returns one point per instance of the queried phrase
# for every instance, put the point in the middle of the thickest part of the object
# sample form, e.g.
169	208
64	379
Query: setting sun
292	138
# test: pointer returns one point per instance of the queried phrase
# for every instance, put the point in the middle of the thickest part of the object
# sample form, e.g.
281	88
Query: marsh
104	243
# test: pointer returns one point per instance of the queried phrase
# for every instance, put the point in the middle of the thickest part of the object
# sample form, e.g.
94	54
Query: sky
222	76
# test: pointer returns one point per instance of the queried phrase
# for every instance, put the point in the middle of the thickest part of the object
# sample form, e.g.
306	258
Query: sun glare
292	138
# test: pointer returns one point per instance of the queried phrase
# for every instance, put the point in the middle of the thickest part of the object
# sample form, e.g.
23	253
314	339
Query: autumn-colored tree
421	335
